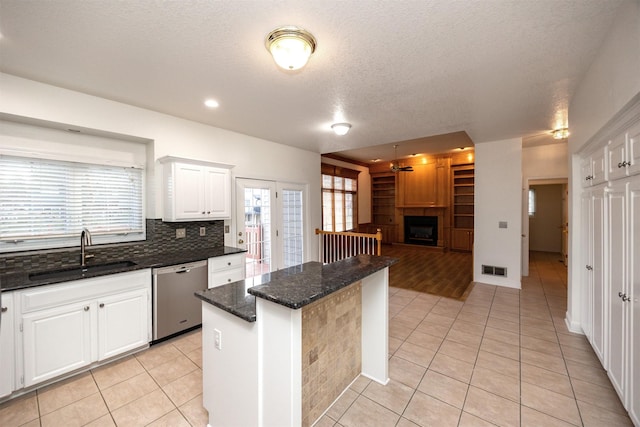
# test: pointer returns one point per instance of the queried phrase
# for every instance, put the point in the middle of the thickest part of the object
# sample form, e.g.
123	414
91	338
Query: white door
122	322
599	309
270	224
617	240
57	341
586	210
634	309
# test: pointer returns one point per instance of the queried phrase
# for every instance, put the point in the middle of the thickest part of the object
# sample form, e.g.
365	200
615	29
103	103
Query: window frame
339	173
68	238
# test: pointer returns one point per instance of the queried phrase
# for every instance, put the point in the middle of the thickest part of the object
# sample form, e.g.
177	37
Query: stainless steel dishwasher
175	308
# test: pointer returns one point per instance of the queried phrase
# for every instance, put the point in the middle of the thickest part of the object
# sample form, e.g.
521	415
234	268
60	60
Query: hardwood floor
446	274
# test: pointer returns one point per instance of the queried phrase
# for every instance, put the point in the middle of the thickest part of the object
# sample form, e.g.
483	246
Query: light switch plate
502	224
181	233
217	339
203	231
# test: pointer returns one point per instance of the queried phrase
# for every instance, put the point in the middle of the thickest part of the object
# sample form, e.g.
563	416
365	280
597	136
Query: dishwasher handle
186	270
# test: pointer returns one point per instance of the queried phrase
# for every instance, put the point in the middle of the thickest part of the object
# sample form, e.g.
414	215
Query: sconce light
341	128
561	133
290	46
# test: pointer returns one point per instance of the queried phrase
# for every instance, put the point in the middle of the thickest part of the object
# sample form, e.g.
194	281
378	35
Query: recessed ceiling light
211	103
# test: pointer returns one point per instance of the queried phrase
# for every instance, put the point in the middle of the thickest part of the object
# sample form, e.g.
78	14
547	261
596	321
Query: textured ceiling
397	70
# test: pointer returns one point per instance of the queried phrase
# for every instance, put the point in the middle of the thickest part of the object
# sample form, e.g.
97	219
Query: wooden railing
335	246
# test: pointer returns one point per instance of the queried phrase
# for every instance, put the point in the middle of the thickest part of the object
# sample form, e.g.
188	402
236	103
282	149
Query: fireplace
421	230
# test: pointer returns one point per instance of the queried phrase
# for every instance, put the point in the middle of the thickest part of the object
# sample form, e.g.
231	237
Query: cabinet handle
208	212
620	294
101	305
625	163
203	212
86	308
4	309
588	267
621	165
625	298
228	263
228	280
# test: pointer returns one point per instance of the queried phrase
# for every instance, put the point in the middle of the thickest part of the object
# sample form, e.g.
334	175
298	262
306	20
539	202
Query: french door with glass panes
270	224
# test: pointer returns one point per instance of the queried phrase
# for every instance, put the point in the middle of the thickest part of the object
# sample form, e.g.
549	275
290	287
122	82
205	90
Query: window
47	203
339	198
532	202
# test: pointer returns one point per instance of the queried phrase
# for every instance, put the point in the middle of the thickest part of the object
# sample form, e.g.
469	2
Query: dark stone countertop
19	279
293	287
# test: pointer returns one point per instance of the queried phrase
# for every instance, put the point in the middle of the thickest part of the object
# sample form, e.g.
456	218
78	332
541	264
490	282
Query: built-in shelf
462	212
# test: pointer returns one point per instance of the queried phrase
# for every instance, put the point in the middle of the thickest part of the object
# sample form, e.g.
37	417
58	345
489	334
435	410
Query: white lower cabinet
123	323
57	341
226	269
7	346
68	326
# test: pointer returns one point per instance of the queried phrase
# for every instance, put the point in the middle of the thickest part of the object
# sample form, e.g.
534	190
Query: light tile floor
503	357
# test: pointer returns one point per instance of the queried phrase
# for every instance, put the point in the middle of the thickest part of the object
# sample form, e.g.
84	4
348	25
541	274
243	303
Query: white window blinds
46	203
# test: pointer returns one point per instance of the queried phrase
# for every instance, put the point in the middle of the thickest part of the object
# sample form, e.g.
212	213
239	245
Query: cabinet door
586	211
633	150
461	239
585	171
617	241
217	193
57	341
617	157
634	304
123	322
6	345
419	187
599	296
189	191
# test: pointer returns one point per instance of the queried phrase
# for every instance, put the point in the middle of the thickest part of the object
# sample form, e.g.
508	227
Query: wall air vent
494	271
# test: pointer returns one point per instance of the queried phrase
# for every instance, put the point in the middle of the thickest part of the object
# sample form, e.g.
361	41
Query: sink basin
75	272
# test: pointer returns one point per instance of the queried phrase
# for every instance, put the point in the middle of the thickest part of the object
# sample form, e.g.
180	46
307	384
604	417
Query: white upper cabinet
195	191
593	168
624	154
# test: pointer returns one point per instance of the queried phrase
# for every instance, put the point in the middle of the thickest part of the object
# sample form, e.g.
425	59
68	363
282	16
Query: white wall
364	188
252	157
498	177
612	80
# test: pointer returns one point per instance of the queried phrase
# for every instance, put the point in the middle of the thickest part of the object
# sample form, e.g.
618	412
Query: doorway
545	222
270	218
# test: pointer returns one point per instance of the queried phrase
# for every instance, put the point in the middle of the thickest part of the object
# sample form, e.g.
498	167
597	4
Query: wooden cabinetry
462	207
193	191
7	377
226	269
383	206
426	186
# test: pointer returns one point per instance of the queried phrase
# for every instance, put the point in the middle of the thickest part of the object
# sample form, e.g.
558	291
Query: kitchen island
280	348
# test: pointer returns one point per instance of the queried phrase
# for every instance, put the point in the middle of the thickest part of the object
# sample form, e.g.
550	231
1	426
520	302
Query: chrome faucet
85	240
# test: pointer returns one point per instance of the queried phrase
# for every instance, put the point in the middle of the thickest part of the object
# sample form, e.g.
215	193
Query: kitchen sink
80	271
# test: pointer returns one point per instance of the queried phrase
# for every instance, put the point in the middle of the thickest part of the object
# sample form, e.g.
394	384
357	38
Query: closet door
633	308
617	243
599	295
586	210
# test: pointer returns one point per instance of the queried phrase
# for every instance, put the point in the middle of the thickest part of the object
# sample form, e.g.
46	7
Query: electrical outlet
181	233
203	231
226	229
217	339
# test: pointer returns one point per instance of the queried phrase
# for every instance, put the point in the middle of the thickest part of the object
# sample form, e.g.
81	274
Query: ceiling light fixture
341	128
290	46
561	133
211	103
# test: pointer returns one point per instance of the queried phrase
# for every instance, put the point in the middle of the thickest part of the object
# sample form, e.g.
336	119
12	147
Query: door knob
240	241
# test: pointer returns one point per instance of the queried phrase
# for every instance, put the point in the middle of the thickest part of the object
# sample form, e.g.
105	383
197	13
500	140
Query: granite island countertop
293	287
19	279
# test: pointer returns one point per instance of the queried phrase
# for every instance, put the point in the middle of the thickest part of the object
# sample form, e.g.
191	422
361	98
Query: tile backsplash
161	237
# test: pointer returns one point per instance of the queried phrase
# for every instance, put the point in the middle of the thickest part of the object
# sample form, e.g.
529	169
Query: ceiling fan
395	165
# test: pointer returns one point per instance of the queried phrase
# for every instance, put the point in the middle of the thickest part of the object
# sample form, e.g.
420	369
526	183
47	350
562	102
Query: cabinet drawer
224	277
225	262
55	295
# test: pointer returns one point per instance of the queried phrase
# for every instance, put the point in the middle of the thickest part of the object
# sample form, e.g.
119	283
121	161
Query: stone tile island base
331	349
281	352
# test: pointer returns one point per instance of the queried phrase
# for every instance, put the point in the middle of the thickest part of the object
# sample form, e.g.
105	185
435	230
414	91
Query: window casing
46	203
339	200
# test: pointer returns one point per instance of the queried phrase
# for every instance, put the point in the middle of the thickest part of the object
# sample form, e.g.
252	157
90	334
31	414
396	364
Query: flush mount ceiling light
561	133
341	128
290	46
